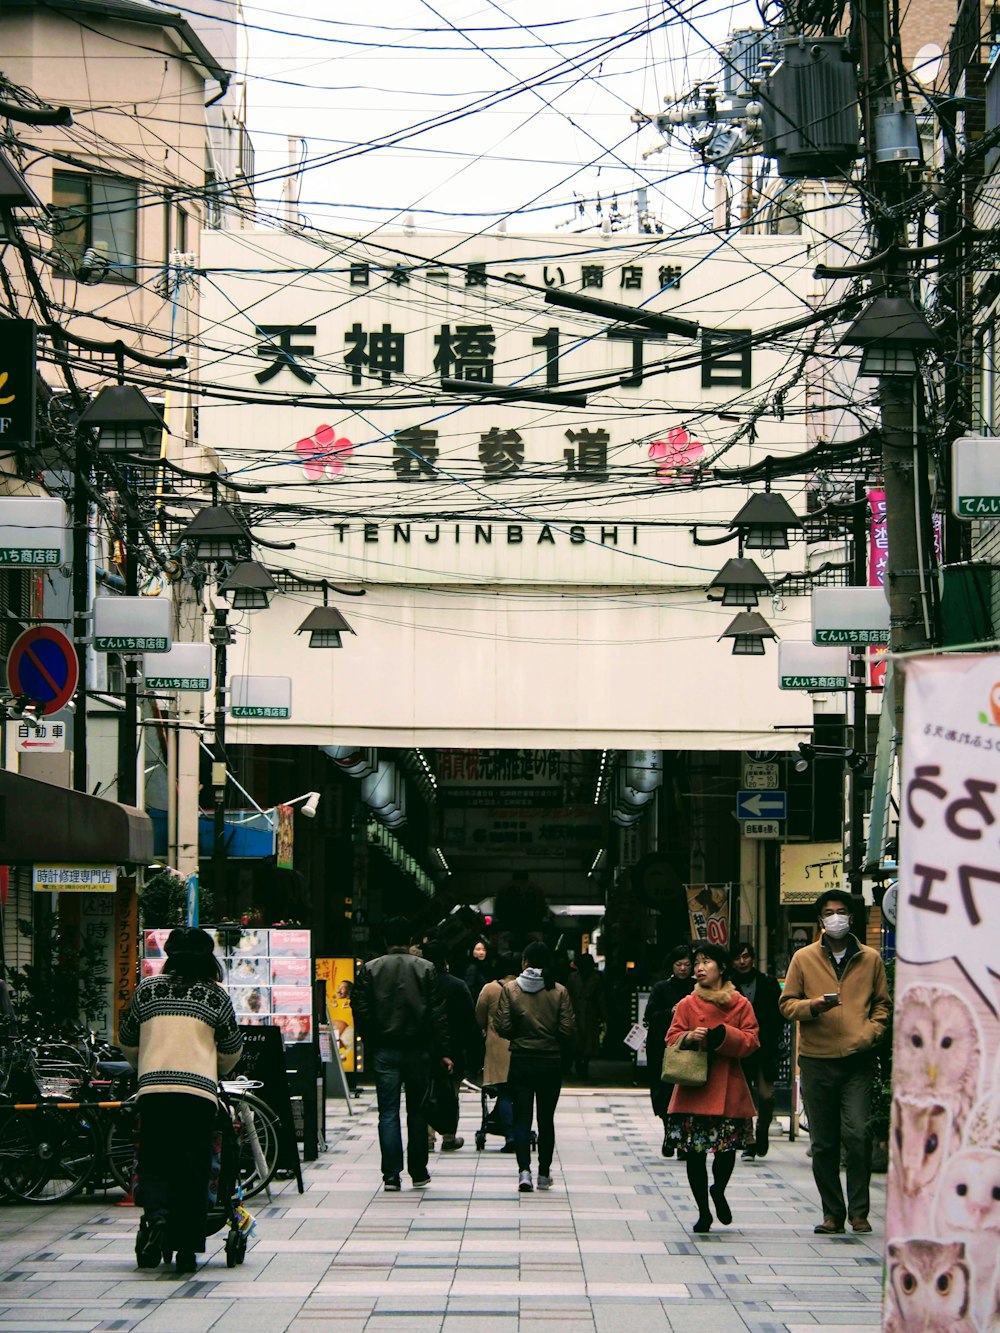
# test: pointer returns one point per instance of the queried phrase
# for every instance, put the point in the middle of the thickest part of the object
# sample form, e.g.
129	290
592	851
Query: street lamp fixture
310	801
738	583
890	331
324	625
764	521
748	632
217	535
127	423
249	587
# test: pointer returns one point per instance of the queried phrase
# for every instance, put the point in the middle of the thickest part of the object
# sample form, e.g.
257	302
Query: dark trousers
176	1134
838	1096
398	1071
535	1082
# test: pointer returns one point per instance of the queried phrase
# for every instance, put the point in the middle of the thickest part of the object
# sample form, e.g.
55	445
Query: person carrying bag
716	1023
535	1014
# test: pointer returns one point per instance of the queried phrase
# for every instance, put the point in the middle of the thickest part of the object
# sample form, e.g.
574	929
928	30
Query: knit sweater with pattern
181	1036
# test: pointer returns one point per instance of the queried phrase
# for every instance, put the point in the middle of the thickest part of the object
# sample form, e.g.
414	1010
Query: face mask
837	926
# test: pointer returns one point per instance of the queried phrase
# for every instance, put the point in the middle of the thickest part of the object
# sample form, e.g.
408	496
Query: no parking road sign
42	666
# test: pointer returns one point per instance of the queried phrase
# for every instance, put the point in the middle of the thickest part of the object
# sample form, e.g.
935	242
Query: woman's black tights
697	1174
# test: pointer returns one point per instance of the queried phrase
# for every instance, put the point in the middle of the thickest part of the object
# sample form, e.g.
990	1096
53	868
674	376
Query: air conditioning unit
809	115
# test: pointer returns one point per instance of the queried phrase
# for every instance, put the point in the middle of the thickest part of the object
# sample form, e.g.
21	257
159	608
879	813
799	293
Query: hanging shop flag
944	1172
708	908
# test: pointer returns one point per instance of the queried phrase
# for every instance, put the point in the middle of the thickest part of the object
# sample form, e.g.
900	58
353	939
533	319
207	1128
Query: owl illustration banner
942	1257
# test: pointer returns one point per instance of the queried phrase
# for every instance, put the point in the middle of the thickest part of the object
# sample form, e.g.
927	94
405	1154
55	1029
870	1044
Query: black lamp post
218	538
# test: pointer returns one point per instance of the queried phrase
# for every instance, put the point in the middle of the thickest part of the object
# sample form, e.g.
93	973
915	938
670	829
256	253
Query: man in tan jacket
836	991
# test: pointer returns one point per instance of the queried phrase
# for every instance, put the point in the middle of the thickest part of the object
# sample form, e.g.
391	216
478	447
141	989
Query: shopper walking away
462	1029
760	1068
663	1000
399	1012
180	1033
497	1064
586	991
836	991
535	1014
714	1017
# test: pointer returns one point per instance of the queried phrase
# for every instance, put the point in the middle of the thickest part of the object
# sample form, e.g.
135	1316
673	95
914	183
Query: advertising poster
708	908
266	972
943	1214
338	975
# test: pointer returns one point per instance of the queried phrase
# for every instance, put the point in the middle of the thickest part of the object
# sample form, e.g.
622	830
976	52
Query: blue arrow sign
762	805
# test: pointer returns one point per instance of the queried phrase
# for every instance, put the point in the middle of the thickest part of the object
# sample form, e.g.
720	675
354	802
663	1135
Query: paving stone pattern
608	1249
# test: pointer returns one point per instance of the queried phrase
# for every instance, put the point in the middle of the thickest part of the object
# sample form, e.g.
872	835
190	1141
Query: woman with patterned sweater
180	1032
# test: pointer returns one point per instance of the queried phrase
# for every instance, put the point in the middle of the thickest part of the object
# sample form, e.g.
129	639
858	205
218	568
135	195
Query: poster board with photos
267	972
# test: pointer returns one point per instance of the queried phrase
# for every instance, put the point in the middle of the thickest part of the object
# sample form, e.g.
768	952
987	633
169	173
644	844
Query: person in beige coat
497	1063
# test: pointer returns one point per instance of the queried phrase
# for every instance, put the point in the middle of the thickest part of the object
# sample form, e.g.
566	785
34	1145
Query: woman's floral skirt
708	1133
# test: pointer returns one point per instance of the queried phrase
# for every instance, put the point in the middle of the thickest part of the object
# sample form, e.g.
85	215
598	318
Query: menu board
268	975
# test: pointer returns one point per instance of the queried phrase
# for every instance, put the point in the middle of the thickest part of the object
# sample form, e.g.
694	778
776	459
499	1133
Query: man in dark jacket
400	1015
663	1000
462	1028
760	1068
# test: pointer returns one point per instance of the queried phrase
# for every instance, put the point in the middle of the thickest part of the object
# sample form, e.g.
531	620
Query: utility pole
858	777
912	602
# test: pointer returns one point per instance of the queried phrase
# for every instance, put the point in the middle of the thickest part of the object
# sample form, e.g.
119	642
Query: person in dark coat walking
761	1066
462	1026
400	1014
660	1006
586	990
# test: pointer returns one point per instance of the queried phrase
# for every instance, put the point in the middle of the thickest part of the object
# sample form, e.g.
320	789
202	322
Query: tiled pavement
608	1249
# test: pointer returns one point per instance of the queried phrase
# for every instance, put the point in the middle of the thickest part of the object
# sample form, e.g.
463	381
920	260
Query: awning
42	822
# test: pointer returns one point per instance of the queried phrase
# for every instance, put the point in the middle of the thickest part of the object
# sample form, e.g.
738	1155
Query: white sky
357	90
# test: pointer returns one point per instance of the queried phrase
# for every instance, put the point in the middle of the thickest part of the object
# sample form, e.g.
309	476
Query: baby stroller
225	1197
490	1122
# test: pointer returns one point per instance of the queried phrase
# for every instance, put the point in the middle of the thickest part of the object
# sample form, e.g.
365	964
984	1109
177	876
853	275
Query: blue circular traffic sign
42	666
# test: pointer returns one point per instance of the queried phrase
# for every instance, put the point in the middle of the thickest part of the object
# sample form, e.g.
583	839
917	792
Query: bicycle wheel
256	1128
47	1154
120	1143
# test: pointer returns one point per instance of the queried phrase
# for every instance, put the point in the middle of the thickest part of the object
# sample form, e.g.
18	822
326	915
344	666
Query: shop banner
337	975
943	1215
708	908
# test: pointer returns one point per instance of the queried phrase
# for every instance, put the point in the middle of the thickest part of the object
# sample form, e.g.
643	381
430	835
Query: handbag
440	1104
684	1066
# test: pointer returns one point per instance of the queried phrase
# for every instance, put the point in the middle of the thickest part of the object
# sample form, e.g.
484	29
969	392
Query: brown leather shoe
828	1227
860	1224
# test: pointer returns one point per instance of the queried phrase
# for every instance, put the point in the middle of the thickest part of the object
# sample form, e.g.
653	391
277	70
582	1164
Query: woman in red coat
717	1018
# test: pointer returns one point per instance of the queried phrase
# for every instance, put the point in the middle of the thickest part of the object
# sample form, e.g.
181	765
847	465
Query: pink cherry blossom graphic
324	453
678	451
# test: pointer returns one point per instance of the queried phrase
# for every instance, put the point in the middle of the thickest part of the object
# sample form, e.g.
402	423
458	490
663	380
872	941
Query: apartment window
99	213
